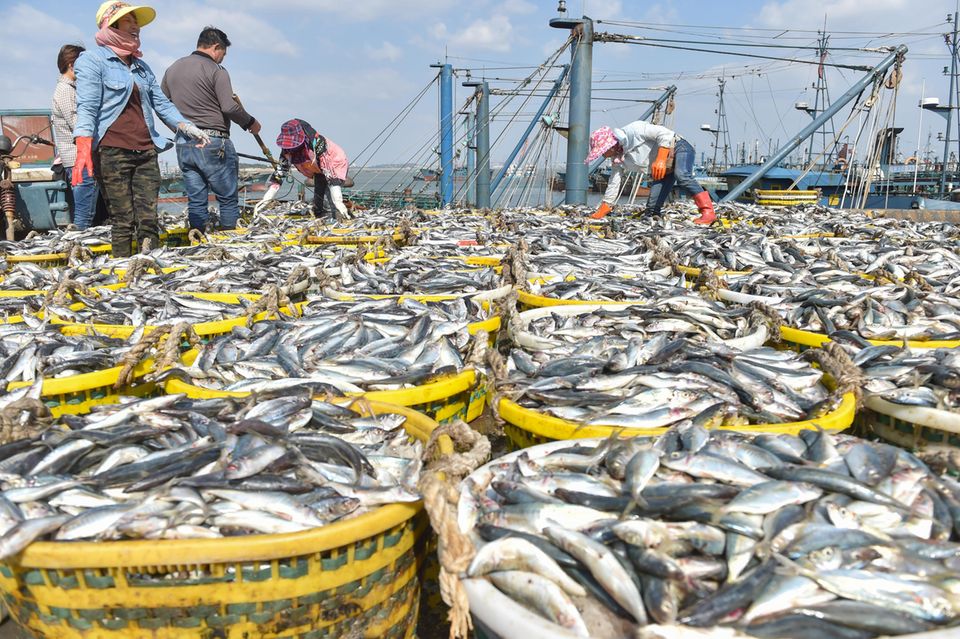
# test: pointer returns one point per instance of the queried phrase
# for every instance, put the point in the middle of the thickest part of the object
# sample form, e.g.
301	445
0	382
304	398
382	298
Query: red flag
823	58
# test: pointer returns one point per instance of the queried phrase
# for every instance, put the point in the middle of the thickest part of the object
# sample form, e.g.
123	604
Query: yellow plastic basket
446	398
175	237
800	340
526	427
43	260
204	330
900	432
528	301
356	577
343	239
16	319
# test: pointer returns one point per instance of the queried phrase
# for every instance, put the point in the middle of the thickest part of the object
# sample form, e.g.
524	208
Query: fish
210	471
785	549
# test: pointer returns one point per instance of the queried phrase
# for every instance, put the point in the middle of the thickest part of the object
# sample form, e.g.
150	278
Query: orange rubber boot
602	211
705	206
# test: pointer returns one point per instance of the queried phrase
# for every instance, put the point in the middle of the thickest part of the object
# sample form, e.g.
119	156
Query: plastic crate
354	576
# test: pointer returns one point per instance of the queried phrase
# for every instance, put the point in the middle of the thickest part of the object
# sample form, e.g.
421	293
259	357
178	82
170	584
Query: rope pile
438	485
24	417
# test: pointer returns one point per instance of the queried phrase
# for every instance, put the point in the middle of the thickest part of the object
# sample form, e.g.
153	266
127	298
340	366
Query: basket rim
810	338
439	388
552	427
244	548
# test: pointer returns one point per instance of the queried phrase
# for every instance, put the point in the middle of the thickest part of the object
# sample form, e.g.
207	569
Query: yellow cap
113	10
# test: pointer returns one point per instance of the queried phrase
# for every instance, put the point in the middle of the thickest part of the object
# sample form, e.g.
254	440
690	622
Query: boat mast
821	100
578	118
810	129
723	127
952	45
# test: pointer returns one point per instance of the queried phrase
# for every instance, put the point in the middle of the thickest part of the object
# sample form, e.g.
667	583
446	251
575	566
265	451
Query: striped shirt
64	119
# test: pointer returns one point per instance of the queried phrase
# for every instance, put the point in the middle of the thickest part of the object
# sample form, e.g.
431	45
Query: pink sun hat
601	141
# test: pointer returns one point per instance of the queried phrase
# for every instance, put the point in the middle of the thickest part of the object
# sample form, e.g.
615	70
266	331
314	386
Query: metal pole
483	143
581	78
646	115
953	76
536	118
716	141
446	132
471	159
808	130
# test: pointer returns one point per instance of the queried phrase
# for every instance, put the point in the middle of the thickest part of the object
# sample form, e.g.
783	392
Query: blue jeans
84	198
216	168
682	176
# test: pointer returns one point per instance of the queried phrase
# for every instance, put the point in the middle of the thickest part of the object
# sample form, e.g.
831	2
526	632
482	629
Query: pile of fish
911	377
677	313
776	536
881	312
173	468
34	350
650	367
139	307
339	347
417	276
664	381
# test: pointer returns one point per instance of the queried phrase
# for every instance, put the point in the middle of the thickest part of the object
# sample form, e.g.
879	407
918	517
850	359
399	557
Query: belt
214	133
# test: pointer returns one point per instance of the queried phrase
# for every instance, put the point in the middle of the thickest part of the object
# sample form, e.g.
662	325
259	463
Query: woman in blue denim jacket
116	96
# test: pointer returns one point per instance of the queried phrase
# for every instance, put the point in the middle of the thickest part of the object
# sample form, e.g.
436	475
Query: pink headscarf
122	43
601	141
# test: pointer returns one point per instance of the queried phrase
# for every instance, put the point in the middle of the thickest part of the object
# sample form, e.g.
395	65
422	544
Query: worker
201	90
82	198
319	158
116	95
640	145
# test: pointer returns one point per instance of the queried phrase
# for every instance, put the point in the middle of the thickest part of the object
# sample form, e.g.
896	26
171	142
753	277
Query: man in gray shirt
201	90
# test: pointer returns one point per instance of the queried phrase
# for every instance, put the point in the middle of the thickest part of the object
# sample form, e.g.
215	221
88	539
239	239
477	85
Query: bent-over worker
317	157
640	145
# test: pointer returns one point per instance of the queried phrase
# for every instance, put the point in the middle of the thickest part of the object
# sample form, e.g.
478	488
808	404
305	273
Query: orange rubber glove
659	167
84	160
602	211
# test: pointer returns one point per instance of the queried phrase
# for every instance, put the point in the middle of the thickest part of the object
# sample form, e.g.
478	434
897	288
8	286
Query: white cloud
45	30
386	51
360	11
810	13
519	7
179	23
493	34
32	40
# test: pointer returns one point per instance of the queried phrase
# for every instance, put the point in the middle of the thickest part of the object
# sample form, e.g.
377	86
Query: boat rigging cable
395	122
642	41
541	71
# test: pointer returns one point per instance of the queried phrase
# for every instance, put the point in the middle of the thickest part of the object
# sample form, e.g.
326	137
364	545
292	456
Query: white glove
192	131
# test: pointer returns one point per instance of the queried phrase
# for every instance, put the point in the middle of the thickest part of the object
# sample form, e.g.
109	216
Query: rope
136	354
60	292
439	487
196	236
767	315
272	300
834	360
710	283
170	351
138	267
76	253
23	418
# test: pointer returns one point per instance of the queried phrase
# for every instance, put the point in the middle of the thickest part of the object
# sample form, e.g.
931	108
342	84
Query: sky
350	68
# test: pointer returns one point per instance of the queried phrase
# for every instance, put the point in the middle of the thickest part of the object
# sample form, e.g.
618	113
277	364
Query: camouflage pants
130	182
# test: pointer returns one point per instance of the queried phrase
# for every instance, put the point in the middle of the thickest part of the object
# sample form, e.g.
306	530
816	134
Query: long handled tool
256	136
279	170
